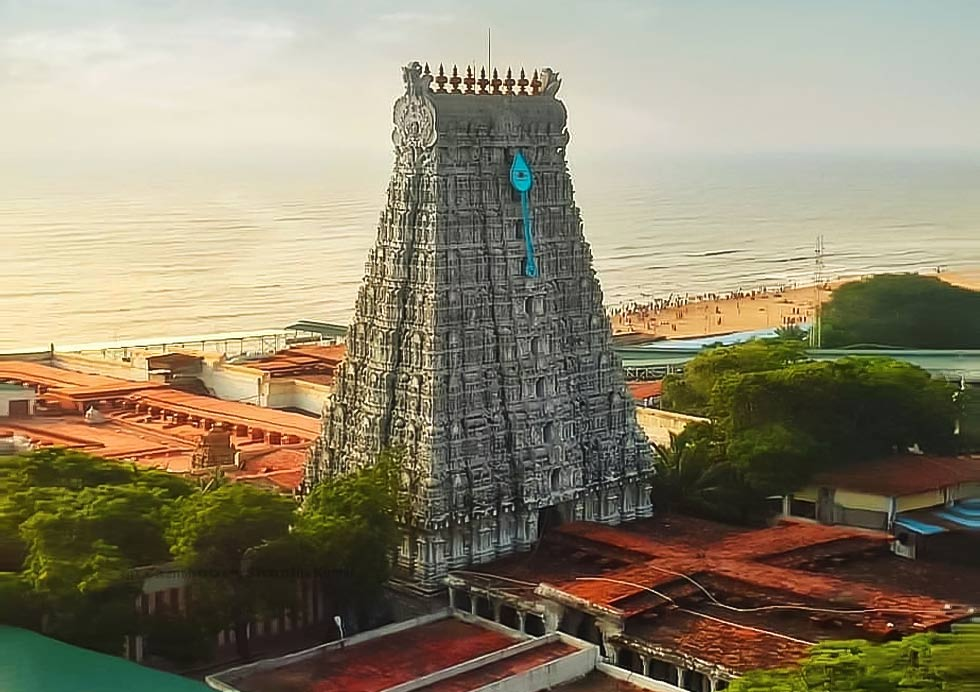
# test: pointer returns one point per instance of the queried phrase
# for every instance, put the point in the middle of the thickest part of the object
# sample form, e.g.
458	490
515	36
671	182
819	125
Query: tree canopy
902	310
777	417
220	538
350	526
74	529
930	662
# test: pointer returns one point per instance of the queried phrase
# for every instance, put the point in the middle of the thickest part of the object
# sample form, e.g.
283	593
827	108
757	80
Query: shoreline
674	317
742	310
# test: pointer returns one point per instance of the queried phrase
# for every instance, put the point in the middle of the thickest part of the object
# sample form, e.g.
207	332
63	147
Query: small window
529	305
549	432
555	479
539	387
536	345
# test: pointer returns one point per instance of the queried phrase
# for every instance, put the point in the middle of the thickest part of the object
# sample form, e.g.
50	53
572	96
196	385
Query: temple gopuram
479	344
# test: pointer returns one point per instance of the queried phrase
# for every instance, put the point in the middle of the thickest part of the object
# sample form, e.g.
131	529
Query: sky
240	79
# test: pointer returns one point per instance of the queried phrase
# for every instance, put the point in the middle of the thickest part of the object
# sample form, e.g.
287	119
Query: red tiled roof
732	567
788	536
38	373
381	663
717	642
281	467
301	360
231	412
645	390
598	682
500	670
904	475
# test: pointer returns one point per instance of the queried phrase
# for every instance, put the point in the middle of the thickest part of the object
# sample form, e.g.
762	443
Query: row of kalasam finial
494	85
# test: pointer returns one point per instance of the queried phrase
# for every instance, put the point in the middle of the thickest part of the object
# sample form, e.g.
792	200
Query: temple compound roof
479	342
675	593
437	653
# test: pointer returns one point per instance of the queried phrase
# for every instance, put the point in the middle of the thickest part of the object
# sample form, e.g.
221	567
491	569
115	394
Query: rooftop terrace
378	664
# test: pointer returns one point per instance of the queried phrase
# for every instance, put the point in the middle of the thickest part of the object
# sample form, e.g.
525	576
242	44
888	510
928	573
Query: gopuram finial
495	82
509	82
542	82
455	81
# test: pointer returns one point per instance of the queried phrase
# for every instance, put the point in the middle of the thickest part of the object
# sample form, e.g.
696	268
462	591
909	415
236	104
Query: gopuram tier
479	344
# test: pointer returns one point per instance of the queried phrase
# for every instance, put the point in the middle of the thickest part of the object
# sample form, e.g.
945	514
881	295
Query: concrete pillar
521	615
645	660
496	610
681	677
452	597
552	616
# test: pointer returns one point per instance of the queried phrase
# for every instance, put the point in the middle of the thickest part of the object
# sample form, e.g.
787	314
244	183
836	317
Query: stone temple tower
479	343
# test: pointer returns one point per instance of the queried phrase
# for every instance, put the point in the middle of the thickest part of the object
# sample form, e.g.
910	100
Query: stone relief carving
414	113
440	357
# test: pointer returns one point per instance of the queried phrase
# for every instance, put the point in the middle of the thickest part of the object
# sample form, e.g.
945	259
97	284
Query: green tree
902	310
691	392
72	528
928	662
778	417
223	538
692	477
350	527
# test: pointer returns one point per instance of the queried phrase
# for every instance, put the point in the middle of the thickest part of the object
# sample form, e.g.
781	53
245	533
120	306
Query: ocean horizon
109	253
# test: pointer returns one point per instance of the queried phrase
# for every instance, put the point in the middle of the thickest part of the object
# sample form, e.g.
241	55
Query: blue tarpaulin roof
961	516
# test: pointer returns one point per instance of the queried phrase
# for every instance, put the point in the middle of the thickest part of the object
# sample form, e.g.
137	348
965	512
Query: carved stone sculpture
502	388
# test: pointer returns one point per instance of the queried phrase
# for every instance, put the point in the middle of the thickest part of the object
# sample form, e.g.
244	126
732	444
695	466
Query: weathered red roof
378	664
500	670
903	475
645	390
717	642
755	600
301	360
40	374
305	428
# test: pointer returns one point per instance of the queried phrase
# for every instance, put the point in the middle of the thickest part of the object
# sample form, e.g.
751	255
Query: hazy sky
241	78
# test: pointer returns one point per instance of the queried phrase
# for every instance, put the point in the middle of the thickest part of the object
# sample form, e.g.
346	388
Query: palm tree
691	478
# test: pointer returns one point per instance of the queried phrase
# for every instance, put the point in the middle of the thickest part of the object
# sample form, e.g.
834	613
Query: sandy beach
742	309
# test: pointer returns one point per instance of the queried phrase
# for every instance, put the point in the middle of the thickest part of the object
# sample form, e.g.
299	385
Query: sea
124	251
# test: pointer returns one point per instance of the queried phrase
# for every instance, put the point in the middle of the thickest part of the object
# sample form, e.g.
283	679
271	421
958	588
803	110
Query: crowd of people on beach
663	312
